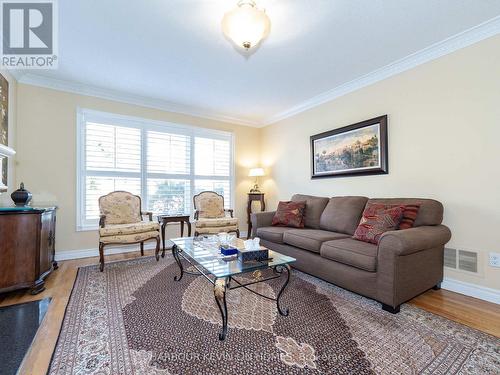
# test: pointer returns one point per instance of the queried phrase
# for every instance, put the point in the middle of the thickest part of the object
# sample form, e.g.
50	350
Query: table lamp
256	172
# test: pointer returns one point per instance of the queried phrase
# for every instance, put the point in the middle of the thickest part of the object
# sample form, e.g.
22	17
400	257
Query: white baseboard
472	290
88	253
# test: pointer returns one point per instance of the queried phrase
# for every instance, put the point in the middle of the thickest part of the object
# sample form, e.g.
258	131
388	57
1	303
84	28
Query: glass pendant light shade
246	25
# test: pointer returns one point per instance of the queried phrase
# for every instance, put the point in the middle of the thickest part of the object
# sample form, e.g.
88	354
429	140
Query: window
166	164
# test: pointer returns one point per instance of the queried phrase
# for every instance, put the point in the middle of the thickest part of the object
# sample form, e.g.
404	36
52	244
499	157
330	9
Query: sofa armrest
409	262
409	241
261	219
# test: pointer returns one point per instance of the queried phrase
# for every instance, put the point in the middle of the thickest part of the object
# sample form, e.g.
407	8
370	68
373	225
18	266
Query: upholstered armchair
121	223
211	217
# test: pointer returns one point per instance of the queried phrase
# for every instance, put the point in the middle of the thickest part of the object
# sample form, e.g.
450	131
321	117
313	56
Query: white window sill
87	228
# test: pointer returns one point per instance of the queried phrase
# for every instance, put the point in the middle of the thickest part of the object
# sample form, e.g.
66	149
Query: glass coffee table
204	256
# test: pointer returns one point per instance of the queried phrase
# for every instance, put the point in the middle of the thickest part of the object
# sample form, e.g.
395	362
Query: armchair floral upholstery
210	215
121	223
120	207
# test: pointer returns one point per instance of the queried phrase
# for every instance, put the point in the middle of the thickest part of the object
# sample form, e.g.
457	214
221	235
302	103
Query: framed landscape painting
358	149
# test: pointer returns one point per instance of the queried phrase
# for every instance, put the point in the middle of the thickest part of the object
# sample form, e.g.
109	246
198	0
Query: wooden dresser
27	245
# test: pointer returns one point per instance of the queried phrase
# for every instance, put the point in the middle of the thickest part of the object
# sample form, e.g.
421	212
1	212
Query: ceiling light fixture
246	25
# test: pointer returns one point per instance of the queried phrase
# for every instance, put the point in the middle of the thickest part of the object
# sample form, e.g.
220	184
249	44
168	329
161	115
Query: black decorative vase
21	196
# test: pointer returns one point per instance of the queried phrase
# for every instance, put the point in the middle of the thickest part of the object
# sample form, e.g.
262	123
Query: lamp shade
256	172
246	25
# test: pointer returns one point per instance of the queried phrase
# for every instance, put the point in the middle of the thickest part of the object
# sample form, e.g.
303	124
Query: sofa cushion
354	253
289	214
429	213
314	208
310	239
273	234
342	214
378	219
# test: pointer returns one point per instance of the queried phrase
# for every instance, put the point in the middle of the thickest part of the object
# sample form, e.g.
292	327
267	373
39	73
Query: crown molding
17	74
464	39
456	42
123	97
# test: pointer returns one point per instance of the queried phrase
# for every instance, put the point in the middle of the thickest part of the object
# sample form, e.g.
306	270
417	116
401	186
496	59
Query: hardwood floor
472	312
469	311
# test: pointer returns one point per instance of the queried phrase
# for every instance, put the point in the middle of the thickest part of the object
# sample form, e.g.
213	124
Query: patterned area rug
133	318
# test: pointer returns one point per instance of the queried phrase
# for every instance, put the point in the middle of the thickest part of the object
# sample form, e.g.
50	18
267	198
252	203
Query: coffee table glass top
206	253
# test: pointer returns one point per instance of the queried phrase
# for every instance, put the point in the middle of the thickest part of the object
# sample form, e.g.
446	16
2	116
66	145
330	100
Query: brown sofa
404	264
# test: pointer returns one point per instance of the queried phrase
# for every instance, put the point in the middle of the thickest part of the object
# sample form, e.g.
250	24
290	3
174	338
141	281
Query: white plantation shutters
211	157
113	162
168	170
212	164
110	147
166	164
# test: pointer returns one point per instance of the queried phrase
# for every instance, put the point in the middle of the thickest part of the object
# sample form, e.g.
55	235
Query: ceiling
173	51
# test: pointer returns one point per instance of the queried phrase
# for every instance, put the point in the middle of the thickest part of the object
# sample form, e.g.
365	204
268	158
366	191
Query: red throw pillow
378	219
409	216
290	214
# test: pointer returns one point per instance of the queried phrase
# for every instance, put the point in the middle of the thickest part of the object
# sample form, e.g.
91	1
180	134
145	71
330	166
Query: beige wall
46	159
444	132
5	197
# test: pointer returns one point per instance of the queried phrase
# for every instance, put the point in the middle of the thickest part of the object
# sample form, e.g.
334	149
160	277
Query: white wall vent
467	261
450	257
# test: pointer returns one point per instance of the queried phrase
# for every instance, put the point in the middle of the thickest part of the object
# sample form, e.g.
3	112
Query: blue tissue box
228	250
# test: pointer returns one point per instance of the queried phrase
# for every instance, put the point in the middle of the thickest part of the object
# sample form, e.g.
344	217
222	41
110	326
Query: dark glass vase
21	196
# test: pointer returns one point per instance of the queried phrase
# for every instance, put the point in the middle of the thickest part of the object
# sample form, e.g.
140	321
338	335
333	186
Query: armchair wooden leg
157	249
101	256
142	248
238	233
162	251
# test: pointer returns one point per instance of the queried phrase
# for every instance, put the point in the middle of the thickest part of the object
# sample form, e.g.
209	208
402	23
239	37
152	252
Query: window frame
84	115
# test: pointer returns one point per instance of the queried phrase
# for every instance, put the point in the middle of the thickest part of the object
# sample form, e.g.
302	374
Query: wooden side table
163	220
259	197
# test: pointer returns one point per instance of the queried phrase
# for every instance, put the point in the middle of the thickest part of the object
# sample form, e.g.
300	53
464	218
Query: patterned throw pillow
409	215
378	219
290	214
